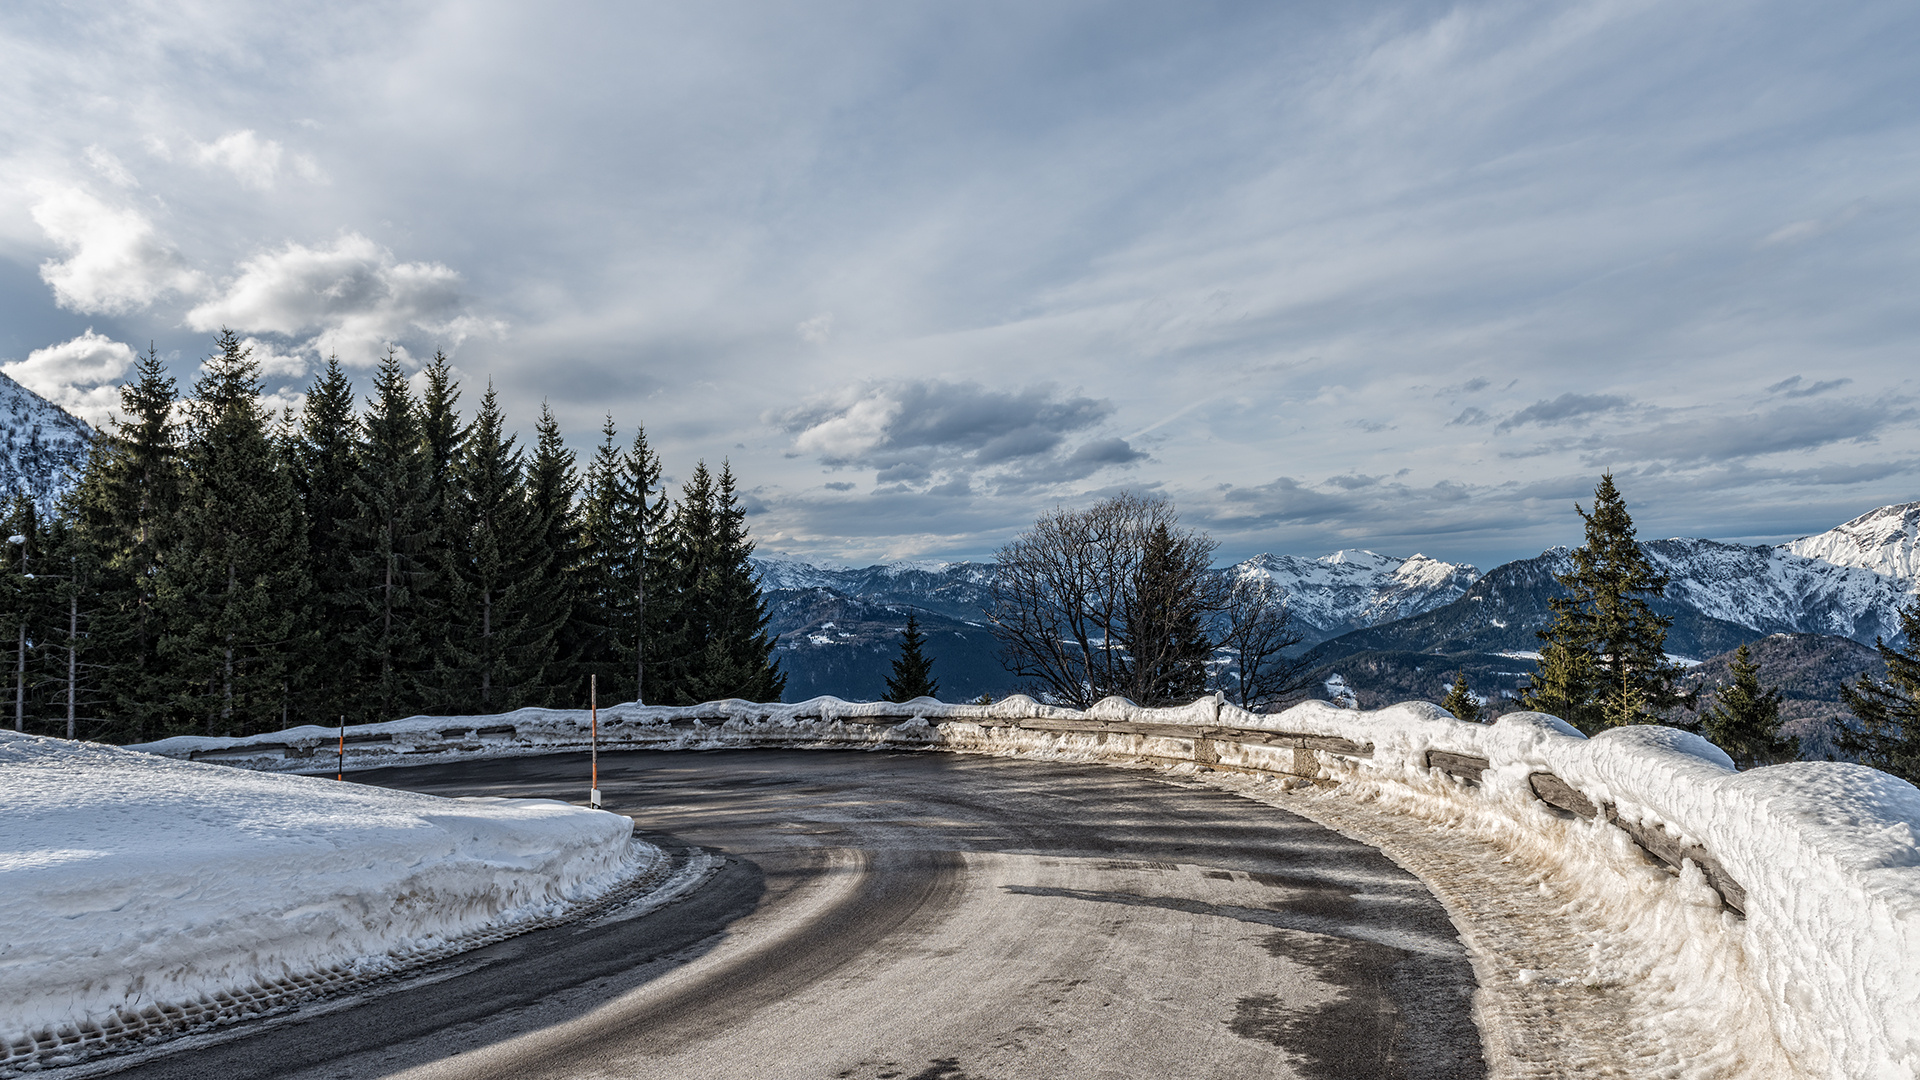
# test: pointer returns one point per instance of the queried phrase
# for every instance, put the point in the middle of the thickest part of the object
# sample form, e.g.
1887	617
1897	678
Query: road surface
923	916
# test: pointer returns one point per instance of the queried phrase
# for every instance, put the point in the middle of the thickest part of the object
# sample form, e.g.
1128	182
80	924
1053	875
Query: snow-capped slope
1351	589
1885	541
42	445
1776	590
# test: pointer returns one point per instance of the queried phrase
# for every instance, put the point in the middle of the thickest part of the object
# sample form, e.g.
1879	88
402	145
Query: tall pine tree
233	583
724	649
1889	709
325	458
640	604
1745	720
392	559
551	486
912	670
121	508
503	625
1603	662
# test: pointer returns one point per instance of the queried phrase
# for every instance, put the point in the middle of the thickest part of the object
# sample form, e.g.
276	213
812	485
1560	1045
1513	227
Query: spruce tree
503	628
1166	639
551	486
1889	709
325	460
1460	701
912	670
391	560
725	651
1603	663
443	436
1745	720
70	660
603	554
23	599
232	584
643	605
121	507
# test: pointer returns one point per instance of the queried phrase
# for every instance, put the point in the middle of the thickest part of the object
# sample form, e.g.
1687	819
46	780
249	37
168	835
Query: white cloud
106	164
352	296
816	330
115	261
274	362
255	161
77	375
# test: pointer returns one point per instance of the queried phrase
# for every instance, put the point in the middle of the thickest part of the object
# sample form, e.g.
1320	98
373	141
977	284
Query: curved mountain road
923	917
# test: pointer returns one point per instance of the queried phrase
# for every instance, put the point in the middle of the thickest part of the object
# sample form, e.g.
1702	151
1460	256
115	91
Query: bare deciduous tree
1118	599
1257	629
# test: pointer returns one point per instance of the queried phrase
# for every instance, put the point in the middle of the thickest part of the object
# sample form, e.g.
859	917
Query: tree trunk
73	637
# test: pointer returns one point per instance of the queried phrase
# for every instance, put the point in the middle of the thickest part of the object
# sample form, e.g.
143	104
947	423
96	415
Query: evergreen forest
219	569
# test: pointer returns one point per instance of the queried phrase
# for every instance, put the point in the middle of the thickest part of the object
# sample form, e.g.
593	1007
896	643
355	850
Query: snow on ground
136	885
1819	977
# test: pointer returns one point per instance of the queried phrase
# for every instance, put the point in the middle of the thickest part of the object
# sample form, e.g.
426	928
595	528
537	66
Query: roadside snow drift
133	884
1816	949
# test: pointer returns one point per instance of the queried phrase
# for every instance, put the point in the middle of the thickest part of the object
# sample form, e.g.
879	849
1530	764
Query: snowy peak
1356	588
1885	541
42	446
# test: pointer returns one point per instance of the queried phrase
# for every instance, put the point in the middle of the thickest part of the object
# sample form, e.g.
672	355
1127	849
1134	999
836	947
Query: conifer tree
1460	701
23	587
444	437
121	507
725	650
551	486
603	554
1166	639
70	659
625	563
390	557
233	582
1889	709
912	669
324	461
1745	721
503	630
643	602
1603	663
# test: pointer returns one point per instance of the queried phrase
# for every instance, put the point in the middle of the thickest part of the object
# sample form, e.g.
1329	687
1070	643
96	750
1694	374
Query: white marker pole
593	705
342	774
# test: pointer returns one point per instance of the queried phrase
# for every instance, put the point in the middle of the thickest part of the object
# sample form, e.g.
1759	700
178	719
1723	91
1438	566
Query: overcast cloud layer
1400	276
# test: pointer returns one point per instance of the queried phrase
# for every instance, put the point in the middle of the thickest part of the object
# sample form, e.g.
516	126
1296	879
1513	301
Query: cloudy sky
1399	276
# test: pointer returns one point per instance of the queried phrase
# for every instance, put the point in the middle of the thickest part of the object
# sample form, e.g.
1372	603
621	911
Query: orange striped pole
593	707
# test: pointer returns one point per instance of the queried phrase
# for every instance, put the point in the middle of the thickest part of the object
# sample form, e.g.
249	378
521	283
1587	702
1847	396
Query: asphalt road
924	917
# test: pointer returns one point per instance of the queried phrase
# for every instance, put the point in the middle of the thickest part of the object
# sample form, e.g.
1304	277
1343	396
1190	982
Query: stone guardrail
1818	862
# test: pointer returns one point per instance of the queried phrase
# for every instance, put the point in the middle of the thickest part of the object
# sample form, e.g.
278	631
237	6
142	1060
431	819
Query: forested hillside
217	571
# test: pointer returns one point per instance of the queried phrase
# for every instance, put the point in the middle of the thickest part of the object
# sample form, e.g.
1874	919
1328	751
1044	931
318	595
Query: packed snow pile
142	892
1789	893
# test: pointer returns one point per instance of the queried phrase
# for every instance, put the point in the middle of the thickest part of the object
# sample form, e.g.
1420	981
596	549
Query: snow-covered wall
1818	863
146	897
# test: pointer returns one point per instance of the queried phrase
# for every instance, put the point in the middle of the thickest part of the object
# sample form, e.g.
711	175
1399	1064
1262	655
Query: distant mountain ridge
42	446
1850	582
838	627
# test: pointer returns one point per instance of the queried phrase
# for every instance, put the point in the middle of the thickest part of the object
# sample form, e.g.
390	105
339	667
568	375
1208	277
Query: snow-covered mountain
42	446
1354	588
1777	590
1850	582
1885	541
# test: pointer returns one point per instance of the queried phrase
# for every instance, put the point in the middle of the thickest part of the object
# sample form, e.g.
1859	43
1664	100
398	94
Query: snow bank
1818	864
142	893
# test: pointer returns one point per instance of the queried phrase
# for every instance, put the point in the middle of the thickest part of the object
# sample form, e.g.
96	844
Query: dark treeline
221	570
